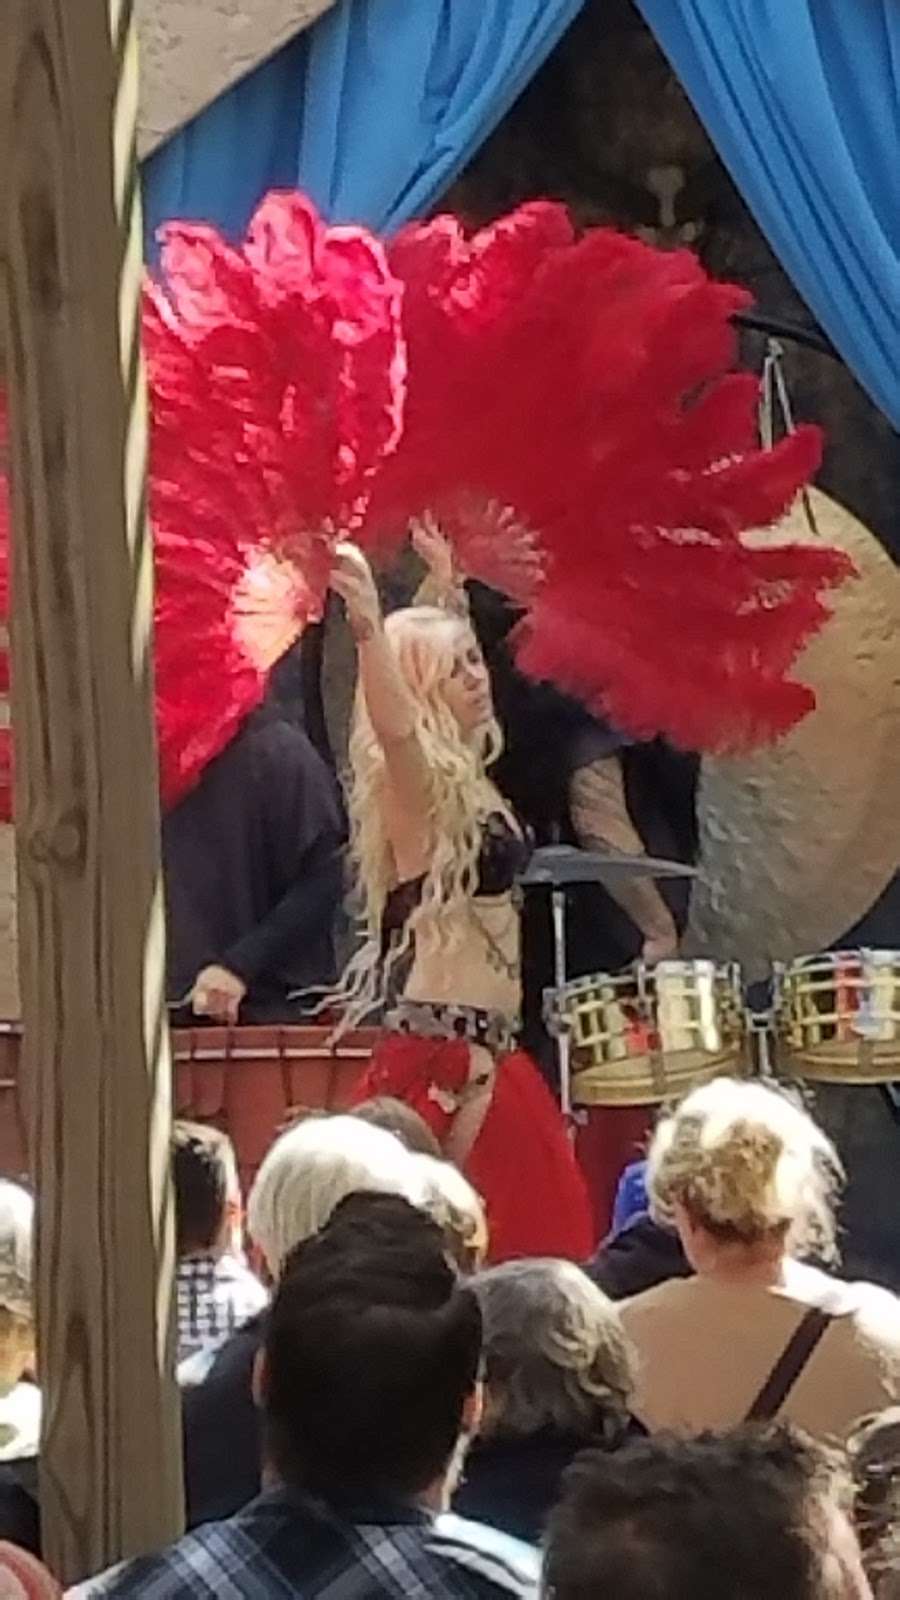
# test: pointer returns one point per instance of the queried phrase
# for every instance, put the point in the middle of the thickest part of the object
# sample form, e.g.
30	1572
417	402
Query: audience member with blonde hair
751	1184
558	1377
452	1203
20	1398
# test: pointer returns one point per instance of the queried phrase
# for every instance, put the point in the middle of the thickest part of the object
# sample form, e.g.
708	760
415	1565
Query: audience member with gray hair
558	1377
875	1458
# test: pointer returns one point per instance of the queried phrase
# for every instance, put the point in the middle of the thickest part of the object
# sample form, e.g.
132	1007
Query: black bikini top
504	854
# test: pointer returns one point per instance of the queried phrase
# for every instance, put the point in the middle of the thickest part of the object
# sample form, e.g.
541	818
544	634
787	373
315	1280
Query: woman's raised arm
388	700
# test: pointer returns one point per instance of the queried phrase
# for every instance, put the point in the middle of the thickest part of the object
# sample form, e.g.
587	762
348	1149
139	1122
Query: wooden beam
90	915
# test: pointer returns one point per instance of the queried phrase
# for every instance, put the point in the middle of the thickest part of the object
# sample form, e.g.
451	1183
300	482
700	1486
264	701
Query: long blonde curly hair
425	643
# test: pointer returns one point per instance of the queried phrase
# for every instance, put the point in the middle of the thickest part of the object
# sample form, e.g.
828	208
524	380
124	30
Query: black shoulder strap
790	1364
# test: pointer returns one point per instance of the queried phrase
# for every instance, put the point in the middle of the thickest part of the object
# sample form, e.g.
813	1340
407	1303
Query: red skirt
521	1163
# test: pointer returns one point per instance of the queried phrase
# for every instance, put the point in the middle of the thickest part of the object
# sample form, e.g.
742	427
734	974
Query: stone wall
192	50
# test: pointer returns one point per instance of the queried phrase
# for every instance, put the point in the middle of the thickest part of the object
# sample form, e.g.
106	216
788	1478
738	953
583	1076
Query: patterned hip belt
494	1030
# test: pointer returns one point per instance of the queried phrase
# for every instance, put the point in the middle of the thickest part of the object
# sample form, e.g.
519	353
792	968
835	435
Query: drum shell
648	1035
245	1081
838	1017
248	1080
13	1140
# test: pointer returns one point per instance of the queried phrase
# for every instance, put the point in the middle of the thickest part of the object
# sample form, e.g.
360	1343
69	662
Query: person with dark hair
368	1384
750	1515
638	1256
216	1291
385	1111
253	860
308	1171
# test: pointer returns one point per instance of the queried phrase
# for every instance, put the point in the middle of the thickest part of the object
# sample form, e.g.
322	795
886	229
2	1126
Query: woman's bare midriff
474	963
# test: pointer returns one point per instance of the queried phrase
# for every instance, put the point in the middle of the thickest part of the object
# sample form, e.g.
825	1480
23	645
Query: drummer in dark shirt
575	781
253	861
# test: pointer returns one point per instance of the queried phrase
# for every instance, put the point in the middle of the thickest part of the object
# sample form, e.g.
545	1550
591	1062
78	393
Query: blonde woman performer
437	854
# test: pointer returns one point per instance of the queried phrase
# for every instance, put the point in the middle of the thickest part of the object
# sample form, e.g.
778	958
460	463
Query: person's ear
260	1379
473	1409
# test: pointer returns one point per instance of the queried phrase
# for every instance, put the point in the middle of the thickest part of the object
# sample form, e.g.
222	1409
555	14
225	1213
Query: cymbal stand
562	1033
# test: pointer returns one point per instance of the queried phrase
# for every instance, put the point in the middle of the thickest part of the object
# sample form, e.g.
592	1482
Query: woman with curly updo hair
751	1184
437	853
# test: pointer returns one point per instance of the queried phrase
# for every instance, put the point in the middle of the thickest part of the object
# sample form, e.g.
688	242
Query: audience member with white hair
558	1377
20	1398
309	1170
750	1182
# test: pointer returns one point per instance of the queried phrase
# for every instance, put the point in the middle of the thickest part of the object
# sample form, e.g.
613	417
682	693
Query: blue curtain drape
373	111
802	100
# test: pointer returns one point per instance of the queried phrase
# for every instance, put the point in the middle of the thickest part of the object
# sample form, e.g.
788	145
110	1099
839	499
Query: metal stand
563	1039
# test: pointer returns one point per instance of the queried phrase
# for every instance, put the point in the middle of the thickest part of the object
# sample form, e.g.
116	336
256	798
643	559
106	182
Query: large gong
799	839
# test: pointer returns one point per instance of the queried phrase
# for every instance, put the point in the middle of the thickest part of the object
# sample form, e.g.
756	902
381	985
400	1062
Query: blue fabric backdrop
373	112
377	107
802	100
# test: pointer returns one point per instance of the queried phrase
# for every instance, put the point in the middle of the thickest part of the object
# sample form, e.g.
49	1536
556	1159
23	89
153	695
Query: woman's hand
351	578
433	548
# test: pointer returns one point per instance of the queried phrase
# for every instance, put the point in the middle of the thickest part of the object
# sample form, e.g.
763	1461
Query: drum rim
640	971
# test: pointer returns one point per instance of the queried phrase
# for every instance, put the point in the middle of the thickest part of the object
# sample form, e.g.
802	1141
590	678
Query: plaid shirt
284	1544
215	1295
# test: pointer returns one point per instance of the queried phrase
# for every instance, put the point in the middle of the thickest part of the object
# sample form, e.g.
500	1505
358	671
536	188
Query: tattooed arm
602	822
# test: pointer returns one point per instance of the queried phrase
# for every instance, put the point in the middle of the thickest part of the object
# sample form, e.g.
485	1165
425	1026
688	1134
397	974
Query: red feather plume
276	378
577	393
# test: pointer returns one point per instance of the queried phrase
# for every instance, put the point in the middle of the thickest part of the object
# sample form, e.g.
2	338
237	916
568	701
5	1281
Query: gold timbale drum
649	1034
838	1017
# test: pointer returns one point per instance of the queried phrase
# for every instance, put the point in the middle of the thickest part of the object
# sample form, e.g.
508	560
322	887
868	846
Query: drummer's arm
602	822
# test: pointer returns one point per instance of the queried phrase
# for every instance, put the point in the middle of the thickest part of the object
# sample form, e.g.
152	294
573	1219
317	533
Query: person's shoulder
227	1365
493	1563
219	1558
640	1255
171	1575
876	1318
672	1295
280	736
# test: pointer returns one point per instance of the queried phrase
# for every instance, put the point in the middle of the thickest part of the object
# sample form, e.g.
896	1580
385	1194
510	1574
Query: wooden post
90	915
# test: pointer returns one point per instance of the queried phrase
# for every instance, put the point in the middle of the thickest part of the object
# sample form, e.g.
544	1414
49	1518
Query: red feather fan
572	425
276	377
